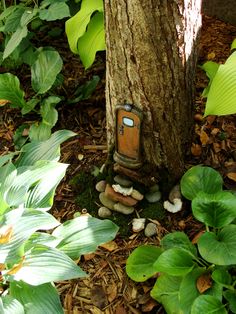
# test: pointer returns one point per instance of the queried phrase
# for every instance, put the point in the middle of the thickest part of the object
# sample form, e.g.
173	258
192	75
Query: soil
108	289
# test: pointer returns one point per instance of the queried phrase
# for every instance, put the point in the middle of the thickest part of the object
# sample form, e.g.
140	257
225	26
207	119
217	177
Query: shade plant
195	276
37	250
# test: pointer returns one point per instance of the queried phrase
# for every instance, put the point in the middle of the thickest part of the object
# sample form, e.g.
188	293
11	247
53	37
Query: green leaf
76	26
48	112
13	19
83	234
18	138
210	68
215	210
200	179
222	94
174	262
29	106
47	150
58	265
139	265
5	158
45	69
179	240
55	11
233	45
208	304
39	132
222	277
9	305
10	90
219	249
230	296
85	91
188	291
28	16
166	292
15	40
37	299
92	41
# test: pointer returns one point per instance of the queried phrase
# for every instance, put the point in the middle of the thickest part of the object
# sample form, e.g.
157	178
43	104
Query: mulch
107	289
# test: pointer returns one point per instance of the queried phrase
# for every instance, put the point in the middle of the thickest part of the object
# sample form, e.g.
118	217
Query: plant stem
4	5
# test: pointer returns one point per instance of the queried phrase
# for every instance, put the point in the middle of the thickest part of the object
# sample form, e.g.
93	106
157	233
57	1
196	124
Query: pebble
138	224
150	230
175	207
123	181
117	197
122	190
137	195
154	188
100	186
104	212
107	202
153	197
175	193
126	210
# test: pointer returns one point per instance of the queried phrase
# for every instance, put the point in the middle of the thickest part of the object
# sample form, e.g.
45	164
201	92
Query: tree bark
151	61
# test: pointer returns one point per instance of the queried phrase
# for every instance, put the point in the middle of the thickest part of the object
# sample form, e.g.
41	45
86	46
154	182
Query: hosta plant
199	276
35	248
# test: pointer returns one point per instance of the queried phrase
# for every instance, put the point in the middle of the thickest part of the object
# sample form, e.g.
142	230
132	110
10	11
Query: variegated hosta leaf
9	305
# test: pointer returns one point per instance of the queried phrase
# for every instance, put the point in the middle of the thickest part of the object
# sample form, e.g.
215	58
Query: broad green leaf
85	91
13	19
210	68
15	40
174	262
37	299
188	291
9	305
230	296
48	112
215	210
28	16
47	150
39	132
10	90
233	45
83	234
166	292
221	99
23	225
29	105
19	138
92	41
208	304
58	265
139	266
179	240
219	249
5	158
41	238
76	26
222	277
56	11
8	12
200	179
45	69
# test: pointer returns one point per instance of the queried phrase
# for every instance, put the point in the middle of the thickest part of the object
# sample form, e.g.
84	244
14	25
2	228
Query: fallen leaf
215	131
112	292
88	257
120	310
98	297
204	283
232	176
204	138
110	246
216	147
210	119
6	234
196	149
149	306
197	236
3	102
211	56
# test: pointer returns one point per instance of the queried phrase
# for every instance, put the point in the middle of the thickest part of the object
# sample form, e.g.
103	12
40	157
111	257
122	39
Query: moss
152	210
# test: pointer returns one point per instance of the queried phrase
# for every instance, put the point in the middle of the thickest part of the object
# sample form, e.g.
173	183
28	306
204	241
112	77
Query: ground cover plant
198	276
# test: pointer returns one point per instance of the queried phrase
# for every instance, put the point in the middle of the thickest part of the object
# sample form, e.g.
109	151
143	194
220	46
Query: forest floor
108	289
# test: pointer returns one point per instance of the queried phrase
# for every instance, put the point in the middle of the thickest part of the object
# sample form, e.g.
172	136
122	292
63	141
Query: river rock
104	212
126	210
107	202
150	230
117	197
122	190
153	197
123	181
138	224
100	186
175	193
137	195
154	188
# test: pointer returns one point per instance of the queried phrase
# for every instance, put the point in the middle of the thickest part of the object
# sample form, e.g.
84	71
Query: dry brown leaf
204	138
120	310
112	292
215	131
6	234
216	147
204	283
98	297
88	257
197	236
149	306
3	102
196	149
210	119
211	56
232	176
110	246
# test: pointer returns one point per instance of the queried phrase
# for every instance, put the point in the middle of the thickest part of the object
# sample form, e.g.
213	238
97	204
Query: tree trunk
151	61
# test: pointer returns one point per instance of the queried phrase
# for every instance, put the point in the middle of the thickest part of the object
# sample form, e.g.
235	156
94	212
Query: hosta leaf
39	132
10	90
76	26
83	234
175	262
13	18
233	45
210	68
219	249
58	265
222	277
180	240
9	305
37	299
200	179
45	69
215	210
15	40
221	99
166	292
230	296
5	158
48	112
56	11
92	41
139	265
47	150
208	304
28	16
